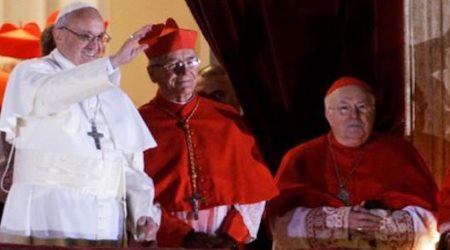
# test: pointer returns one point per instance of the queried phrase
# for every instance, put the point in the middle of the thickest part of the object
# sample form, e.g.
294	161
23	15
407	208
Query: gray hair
327	100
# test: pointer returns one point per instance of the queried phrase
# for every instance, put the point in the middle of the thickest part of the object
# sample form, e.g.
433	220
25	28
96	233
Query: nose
180	70
354	112
94	43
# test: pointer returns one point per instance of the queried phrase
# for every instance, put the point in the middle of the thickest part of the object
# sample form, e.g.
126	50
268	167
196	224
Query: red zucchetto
165	38
51	18
347	81
20	42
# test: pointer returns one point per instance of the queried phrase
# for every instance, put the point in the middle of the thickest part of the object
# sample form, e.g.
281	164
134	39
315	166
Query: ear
152	74
327	111
57	35
328	115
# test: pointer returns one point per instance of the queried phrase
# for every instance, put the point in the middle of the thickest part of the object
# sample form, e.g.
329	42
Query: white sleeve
289	225
289	231
251	214
57	91
113	74
310	228
426	235
140	194
412	227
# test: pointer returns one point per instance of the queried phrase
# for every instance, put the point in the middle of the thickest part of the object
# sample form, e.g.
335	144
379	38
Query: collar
63	62
343	148
182	110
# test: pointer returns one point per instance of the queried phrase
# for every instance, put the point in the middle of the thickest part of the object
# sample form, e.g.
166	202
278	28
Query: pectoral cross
195	200
344	196
95	135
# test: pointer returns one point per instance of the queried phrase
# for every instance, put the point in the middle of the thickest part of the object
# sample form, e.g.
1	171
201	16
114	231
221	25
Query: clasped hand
363	223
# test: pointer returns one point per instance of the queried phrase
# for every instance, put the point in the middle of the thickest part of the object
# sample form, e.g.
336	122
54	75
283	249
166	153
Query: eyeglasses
89	38
190	63
348	109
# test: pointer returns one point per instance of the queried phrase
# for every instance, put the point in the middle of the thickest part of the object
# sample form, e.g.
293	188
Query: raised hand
130	48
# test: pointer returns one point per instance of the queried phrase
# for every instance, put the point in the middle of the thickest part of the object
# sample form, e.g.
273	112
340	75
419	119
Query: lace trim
397	231
327	226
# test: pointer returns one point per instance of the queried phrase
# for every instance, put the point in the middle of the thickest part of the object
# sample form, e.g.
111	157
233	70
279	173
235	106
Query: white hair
327	98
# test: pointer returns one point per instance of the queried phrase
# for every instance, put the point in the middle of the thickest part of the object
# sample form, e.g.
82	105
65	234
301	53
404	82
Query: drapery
282	55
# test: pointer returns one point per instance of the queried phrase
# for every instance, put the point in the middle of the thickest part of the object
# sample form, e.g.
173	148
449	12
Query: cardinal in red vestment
210	178
17	43
352	188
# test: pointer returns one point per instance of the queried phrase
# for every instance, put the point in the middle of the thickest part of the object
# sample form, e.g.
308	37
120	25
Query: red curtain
282	55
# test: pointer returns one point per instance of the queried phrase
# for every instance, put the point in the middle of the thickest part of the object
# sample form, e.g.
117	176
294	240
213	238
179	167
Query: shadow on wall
431	103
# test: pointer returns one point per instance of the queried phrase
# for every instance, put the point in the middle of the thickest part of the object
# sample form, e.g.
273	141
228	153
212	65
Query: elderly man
79	142
351	188
209	176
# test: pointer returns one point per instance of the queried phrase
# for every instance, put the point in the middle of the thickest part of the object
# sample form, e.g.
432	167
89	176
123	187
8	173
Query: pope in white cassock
78	170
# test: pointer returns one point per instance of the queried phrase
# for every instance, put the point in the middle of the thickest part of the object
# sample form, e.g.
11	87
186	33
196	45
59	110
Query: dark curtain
282	55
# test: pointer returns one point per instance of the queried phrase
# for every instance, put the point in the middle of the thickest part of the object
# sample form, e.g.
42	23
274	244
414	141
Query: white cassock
64	187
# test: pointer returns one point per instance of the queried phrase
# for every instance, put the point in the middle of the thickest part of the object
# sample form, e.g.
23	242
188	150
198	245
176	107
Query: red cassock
3	80
390	171
444	206
229	166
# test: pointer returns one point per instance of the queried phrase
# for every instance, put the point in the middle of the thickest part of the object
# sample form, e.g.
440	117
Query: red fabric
3	81
20	42
165	38
444	204
347	81
230	168
391	171
48	247
51	18
172	231
234	227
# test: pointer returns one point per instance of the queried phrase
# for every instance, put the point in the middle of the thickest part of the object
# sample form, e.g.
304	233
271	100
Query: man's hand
146	229
130	48
363	224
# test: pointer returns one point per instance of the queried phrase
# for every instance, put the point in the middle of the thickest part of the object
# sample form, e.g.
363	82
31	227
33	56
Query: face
71	36
218	87
175	74
350	111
